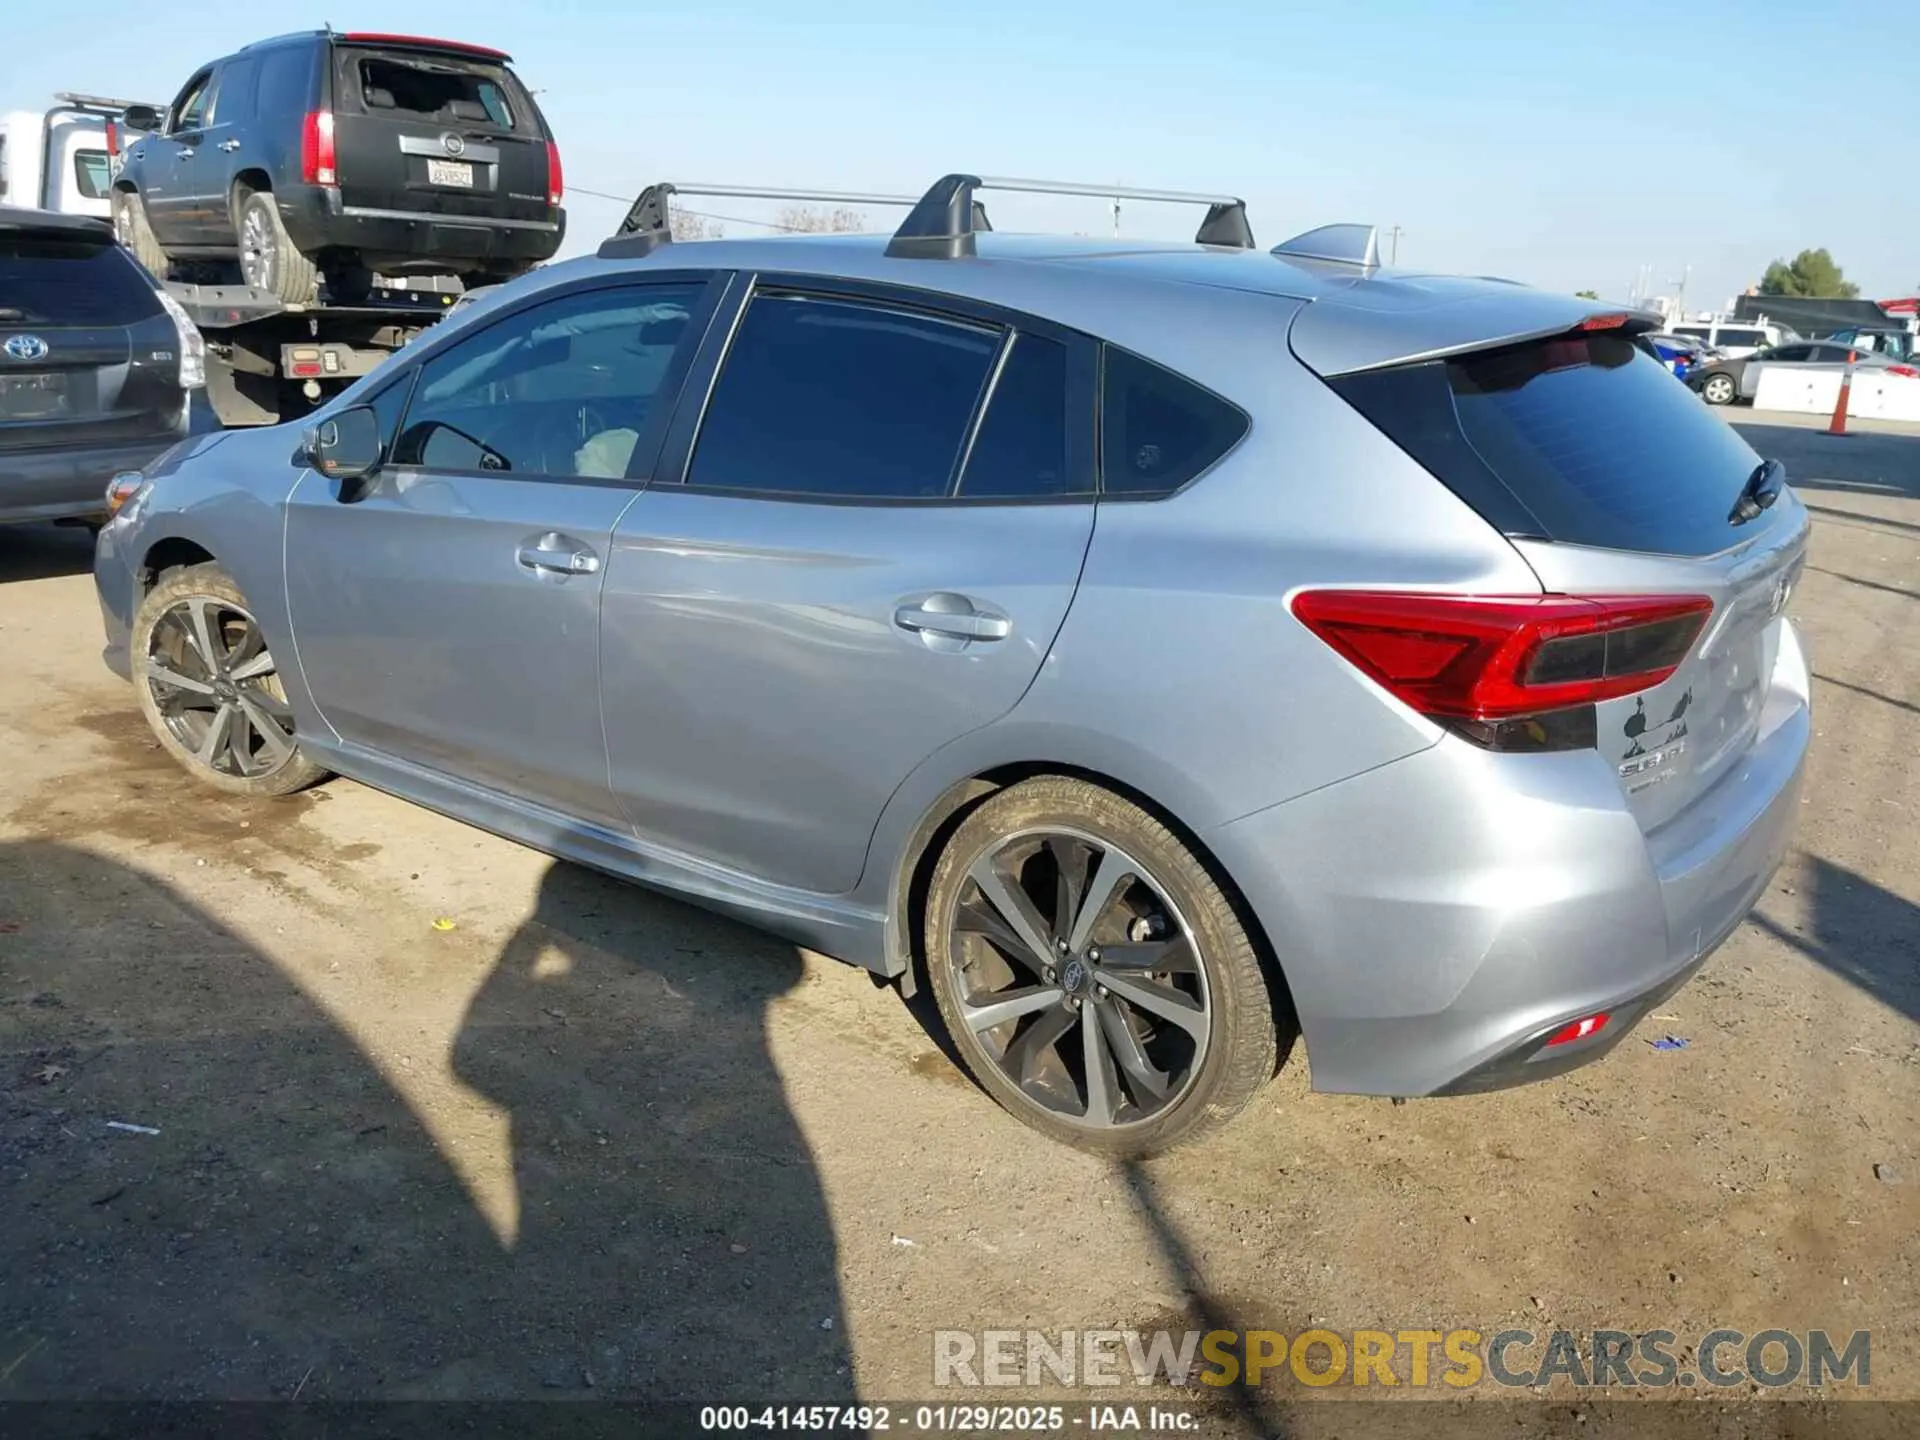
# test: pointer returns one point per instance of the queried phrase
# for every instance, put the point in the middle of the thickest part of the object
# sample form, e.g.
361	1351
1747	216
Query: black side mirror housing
140	117
345	446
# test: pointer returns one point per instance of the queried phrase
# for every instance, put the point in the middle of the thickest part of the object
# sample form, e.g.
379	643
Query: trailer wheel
130	227
268	257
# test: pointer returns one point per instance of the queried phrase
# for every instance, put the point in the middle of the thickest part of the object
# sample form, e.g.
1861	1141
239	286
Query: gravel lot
588	1141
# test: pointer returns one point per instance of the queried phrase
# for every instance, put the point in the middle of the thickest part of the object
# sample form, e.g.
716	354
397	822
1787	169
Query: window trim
1082	388
203	80
643	465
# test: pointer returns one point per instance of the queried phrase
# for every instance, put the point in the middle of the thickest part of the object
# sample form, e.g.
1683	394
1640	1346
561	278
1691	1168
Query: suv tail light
113	139
1508	671
193	345
1906	370
317	164
556	179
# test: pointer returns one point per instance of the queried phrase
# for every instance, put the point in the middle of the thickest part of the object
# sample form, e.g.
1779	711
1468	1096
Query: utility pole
1393	245
1116	217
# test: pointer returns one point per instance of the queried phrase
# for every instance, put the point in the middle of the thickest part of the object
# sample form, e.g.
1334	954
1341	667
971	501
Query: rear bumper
69	483
317	220
1439	917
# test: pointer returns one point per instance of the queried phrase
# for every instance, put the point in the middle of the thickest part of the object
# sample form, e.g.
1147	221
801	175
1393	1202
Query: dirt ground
589	1141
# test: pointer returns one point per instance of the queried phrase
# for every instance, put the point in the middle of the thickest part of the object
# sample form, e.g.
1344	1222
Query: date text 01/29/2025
952	1419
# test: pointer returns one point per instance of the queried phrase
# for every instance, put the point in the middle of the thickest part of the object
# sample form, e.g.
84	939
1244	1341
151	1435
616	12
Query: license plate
450	172
32	397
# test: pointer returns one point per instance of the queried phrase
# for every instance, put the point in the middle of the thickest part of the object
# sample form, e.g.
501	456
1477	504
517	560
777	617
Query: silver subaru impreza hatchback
1159	651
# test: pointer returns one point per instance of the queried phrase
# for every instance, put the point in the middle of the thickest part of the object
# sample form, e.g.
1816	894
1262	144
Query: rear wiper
1763	487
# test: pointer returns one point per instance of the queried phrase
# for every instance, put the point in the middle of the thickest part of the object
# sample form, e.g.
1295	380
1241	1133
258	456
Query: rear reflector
1505	657
1578	1029
317	163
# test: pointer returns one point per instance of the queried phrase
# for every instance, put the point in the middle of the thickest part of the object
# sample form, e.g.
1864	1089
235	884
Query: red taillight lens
1906	370
556	179
1506	657
113	139
1578	1029
1603	322
317	166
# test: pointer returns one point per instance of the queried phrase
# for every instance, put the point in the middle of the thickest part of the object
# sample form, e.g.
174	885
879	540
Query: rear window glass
1157	430
70	280
91	174
436	89
1587	440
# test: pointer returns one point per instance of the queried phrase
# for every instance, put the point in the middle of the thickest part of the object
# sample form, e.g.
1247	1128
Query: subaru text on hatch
1152	648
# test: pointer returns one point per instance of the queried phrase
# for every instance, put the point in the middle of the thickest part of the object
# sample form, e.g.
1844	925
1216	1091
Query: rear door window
1583	439
72	280
233	98
1157	429
832	398
1024	448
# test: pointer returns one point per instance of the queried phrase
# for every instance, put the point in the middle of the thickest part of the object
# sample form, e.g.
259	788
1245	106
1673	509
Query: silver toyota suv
1156	650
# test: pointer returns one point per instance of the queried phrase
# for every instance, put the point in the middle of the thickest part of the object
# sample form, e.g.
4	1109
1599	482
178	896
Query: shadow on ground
294	1227
40	552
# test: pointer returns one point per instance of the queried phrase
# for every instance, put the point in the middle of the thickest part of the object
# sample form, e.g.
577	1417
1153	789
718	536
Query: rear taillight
556	178
193	345
1906	370
1480	663
113	139
317	165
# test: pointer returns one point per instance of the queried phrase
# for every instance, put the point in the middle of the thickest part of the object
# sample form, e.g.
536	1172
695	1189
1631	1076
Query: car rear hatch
1612	479
87	354
433	126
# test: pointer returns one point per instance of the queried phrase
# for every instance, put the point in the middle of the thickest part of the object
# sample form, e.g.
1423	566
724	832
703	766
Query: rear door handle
557	554
952	616
229	145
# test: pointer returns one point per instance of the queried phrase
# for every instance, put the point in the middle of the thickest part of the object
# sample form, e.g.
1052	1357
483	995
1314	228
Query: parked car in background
1896	345
1734	338
767	572
1722	382
348	156
98	366
1678	353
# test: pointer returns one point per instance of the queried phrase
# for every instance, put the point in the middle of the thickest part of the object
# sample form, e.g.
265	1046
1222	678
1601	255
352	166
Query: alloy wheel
1080	979
257	249
1719	389
216	689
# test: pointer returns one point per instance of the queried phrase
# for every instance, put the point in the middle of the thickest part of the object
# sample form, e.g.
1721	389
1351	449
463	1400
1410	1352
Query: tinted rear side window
70	280
1587	440
286	81
827	397
1157	430
1021	450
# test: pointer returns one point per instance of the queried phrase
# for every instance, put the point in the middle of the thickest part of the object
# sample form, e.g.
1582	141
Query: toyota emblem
26	347
455	145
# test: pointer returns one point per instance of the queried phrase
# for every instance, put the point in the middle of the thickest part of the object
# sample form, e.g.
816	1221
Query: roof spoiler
1347	244
940	224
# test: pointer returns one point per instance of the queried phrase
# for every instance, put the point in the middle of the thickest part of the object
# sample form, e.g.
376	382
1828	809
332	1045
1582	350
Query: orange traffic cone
1838	425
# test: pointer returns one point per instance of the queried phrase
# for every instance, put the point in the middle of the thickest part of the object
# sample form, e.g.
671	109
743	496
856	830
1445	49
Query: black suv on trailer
349	154
98	366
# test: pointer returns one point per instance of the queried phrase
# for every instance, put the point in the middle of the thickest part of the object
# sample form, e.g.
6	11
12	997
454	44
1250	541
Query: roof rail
646	226
940	226
1340	244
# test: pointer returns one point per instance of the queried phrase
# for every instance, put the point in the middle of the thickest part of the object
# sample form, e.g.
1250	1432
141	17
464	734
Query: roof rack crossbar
646	226
939	226
98	102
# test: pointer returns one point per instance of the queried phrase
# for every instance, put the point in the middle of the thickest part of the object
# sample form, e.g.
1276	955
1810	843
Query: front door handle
185	152
229	145
953	617
557	554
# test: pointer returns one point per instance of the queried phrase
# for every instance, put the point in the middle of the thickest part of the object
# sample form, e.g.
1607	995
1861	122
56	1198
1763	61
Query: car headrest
467	110
379	99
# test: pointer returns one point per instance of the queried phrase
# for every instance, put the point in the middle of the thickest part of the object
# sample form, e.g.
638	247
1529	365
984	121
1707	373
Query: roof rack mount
939	227
940	224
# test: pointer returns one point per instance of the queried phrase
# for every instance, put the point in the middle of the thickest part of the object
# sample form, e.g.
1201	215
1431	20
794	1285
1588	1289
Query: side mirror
140	117
345	446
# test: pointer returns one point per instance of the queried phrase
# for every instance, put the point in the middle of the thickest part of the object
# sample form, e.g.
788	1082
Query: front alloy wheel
1091	973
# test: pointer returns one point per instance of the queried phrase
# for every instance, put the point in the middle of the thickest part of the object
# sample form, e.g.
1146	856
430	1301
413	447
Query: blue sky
1563	144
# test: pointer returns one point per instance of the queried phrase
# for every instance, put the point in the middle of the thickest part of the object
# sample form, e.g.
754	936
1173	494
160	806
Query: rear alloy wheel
1718	390
269	260
1091	973
210	688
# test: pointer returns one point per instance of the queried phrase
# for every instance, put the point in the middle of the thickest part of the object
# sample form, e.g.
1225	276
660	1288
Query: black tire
1225	1070
178	714
131	227
268	257
1719	389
